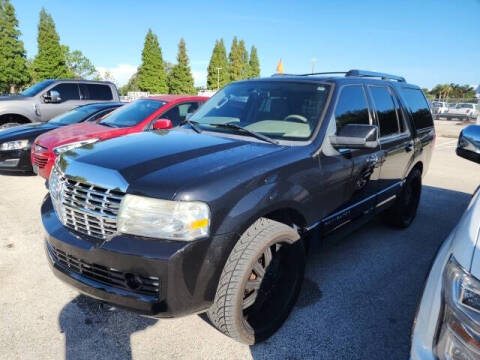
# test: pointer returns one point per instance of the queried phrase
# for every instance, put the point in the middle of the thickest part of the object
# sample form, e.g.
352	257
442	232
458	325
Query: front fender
21	110
261	201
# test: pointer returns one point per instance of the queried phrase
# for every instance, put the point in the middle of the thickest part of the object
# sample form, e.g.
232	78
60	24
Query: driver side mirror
52	96
162	124
468	145
356	136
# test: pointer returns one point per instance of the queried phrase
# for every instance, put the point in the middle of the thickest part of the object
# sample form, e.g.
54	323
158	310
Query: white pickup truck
462	111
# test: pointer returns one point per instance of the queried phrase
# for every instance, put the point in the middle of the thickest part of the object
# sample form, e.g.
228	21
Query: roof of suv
340	77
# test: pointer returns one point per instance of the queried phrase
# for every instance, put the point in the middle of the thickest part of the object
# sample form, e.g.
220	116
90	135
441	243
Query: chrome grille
84	207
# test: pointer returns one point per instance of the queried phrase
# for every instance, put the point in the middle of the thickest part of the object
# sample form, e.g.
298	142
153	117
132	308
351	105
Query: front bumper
184	274
15	160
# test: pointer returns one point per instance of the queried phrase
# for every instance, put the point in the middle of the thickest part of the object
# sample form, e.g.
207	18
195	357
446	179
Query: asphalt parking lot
358	300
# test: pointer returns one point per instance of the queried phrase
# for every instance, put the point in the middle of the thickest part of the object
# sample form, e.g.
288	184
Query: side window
179	113
99	92
400	114
351	107
67	91
418	106
385	109
100	114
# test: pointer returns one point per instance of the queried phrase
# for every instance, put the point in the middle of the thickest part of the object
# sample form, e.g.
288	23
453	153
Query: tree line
55	60
450	91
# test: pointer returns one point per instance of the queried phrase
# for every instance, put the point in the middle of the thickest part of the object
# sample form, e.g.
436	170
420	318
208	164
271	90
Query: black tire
404	210
251	315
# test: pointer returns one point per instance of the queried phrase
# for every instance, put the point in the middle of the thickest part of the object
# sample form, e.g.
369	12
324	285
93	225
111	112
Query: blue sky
427	41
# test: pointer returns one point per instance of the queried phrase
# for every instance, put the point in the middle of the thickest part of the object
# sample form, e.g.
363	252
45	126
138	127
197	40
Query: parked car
143	114
214	215
462	111
49	98
447	324
16	142
439	107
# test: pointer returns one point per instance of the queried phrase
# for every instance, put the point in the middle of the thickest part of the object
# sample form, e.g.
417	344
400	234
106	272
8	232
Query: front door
357	192
70	99
395	140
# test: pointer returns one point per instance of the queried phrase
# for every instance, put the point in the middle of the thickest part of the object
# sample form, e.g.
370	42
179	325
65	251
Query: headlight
14	145
63	148
459	334
163	219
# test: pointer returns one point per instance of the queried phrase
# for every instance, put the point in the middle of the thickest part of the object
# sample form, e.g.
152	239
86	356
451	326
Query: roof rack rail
383	76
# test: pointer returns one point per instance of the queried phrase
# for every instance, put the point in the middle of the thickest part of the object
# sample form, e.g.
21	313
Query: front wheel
404	210
260	282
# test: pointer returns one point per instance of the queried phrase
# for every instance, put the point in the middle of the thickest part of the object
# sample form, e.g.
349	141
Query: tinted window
351	107
178	113
278	109
96	92
385	109
67	91
418	106
133	113
35	89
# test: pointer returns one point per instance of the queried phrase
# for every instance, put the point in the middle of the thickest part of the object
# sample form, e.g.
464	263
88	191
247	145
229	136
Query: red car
155	112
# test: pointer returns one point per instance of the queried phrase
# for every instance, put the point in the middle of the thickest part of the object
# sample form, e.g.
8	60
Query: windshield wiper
193	125
250	132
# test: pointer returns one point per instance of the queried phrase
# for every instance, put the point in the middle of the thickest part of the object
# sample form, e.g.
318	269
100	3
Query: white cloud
200	78
121	72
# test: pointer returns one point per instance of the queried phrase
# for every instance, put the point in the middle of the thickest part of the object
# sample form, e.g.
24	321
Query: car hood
466	238
29	131
77	132
160	162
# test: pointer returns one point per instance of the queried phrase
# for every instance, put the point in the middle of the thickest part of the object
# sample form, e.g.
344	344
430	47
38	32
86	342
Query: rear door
395	141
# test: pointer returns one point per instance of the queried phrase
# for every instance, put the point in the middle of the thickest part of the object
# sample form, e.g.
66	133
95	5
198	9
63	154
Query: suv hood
77	132
160	162
466	240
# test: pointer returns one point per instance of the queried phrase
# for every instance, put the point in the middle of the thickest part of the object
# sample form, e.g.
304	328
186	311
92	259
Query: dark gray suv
49	98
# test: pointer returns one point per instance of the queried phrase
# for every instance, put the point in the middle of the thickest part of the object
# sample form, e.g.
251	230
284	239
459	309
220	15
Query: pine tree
218	75
253	64
180	79
50	62
151	74
244	56
235	65
14	73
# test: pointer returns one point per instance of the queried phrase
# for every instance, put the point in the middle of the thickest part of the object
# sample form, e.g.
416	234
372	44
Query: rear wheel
402	213
260	282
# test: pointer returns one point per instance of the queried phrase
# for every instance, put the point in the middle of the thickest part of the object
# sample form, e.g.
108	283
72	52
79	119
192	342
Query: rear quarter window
416	103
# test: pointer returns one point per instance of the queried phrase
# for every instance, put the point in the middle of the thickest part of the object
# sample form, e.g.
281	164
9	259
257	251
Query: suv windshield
132	114
76	115
35	89
281	110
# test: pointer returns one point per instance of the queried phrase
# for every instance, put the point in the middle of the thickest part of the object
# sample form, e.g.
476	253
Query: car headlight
63	148
459	333
14	145
163	219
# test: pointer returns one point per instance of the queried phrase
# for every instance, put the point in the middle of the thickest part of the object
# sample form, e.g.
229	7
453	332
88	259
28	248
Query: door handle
372	159
409	147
